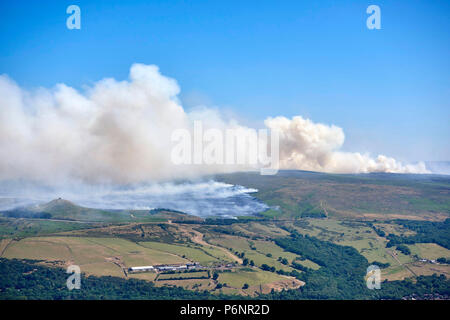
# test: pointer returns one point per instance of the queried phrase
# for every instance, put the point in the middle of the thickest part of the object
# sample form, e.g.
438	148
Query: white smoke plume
119	131
314	146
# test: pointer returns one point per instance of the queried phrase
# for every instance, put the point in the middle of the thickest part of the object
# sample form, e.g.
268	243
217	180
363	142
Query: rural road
198	238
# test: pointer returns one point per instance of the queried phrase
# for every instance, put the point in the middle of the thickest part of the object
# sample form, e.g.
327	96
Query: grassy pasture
371	249
430	251
217	253
39	249
429	268
20	228
191	284
253	278
90	254
102	268
266	229
258	256
148	276
268	247
396	272
394	228
185	275
194	253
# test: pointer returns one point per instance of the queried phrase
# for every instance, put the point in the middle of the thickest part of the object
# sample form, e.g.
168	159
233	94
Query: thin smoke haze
201	198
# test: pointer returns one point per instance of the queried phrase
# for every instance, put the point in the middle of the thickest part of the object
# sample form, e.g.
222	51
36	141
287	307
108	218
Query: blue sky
388	89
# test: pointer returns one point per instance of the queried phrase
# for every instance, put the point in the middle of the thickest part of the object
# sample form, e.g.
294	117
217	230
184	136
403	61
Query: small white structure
165	267
141	269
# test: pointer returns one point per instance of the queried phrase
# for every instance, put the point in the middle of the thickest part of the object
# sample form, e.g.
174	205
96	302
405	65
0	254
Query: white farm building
141	269
165	267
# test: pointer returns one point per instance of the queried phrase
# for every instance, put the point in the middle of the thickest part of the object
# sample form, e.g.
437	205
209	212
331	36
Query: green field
252	278
21	228
192	252
327	216
430	251
93	255
258	256
183	275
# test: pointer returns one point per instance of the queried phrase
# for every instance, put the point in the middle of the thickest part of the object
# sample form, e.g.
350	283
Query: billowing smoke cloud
120	131
315	147
115	131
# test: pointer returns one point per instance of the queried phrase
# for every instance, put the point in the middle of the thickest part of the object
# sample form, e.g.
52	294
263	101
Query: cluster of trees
381	265
283	261
443	260
159	210
426	231
212	221
392	290
193	276
299	266
266	267
221	221
342	274
422	286
342	271
379	232
403	249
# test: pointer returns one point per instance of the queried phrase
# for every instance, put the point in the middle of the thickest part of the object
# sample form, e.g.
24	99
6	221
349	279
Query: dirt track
198	238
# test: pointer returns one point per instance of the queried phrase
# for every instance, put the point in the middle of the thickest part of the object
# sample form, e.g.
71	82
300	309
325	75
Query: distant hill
59	207
62	209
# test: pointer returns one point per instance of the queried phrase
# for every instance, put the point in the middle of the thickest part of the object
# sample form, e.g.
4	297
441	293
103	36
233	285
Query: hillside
61	209
316	242
295	194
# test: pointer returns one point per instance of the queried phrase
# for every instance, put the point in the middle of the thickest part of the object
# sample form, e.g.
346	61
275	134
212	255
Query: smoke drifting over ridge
314	146
205	198
120	132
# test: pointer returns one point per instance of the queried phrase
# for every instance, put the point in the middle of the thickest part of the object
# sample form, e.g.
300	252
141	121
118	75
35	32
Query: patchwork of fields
113	255
243	256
